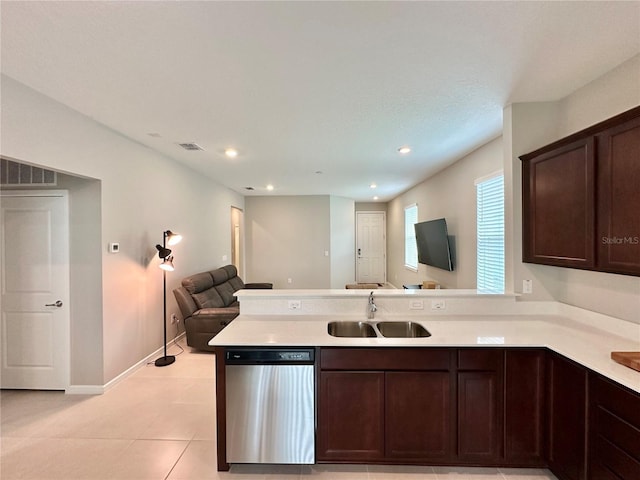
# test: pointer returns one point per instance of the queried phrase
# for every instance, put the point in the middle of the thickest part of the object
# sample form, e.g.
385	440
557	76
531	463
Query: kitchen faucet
371	308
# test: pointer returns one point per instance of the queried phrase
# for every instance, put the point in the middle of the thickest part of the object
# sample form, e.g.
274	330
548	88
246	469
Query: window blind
490	225
410	248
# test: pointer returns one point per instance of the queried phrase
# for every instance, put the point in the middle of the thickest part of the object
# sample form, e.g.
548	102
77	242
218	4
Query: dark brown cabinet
468	406
619	198
567	409
385	404
614	431
480	419
559	217
581	196
524	400
351	416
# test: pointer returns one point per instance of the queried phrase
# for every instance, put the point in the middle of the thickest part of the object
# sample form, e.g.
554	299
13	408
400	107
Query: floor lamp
168	238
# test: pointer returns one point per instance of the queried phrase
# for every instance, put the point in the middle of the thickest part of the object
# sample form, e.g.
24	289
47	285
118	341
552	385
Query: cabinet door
558	206
351	416
524	407
480	405
418	415
566	443
619	199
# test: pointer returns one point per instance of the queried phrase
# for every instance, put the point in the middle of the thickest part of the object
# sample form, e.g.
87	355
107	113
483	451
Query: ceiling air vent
191	146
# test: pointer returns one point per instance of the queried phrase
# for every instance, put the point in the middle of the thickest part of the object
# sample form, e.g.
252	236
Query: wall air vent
191	146
14	174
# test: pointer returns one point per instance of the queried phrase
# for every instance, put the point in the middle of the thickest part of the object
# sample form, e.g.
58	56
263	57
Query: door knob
57	304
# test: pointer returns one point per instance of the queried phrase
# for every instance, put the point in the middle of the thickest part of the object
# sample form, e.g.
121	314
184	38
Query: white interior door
371	247
34	265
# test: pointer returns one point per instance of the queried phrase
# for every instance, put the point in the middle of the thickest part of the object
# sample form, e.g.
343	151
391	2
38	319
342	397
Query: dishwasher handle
269	356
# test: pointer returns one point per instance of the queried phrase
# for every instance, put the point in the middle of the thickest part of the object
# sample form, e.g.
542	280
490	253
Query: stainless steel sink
402	329
351	329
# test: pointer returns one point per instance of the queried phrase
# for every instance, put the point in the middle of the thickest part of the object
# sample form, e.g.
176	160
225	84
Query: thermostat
114	247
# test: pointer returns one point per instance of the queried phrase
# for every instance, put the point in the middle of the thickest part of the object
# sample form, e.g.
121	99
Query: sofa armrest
185	302
258	286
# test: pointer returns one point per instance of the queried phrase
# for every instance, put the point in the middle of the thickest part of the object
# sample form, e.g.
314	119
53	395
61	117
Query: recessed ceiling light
404	150
375	198
231	152
269	187
373	185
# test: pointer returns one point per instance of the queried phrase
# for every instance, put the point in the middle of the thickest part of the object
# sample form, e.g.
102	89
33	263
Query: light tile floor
159	424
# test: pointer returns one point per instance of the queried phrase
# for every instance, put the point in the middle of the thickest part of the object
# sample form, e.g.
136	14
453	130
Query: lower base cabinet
614	431
472	406
512	407
384	405
566	441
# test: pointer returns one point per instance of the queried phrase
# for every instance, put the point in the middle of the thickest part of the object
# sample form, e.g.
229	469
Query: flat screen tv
432	240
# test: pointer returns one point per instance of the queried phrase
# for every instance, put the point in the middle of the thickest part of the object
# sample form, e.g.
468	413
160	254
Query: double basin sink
374	329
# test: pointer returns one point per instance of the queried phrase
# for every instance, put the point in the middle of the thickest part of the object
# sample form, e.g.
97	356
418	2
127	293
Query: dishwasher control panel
259	356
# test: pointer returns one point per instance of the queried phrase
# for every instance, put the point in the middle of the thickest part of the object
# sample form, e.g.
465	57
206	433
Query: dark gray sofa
208	304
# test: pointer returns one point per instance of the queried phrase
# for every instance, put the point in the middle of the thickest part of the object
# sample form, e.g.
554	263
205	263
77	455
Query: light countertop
581	342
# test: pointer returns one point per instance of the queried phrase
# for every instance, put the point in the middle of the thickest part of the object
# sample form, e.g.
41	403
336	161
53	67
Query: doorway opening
237	242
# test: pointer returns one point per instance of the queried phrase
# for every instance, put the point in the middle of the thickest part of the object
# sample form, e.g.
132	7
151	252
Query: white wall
142	194
343	241
530	126
286	237
451	194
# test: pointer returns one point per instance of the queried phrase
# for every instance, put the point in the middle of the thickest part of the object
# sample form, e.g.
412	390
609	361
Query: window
490	224
410	249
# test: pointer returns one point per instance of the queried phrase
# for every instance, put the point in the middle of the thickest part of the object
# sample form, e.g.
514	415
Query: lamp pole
166	359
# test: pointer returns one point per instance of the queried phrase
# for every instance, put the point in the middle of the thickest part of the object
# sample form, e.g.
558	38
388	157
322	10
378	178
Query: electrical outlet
527	286
416	305
294	304
438	304
289	280
174	319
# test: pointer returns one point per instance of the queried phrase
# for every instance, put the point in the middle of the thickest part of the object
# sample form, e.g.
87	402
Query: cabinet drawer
617	400
610	462
480	359
617	432
384	359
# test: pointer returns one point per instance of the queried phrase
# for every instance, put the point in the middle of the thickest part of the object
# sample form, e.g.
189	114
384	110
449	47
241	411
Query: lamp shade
167	264
172	238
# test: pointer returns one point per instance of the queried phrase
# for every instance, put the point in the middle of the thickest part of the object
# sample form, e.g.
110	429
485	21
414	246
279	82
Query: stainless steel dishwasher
270	405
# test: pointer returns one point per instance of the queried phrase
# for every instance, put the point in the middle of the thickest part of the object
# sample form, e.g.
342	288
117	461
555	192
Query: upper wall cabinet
581	199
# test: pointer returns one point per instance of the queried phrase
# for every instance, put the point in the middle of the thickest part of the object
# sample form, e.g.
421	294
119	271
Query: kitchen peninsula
499	382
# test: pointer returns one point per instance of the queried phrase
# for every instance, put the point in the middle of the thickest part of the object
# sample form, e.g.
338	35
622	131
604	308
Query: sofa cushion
209	299
226	291
236	283
198	282
219	276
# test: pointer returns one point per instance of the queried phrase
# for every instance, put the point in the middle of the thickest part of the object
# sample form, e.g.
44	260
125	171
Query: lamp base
164	361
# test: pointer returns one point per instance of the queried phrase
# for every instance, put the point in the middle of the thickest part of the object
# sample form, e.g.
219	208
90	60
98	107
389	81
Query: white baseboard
100	389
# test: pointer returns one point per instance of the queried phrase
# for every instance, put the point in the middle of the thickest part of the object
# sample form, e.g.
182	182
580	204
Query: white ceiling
302	87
